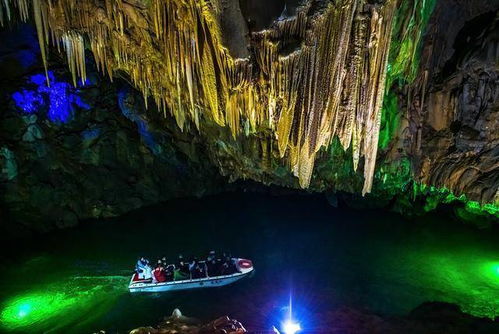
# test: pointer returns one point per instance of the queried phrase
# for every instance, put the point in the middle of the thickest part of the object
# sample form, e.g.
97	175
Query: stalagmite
331	84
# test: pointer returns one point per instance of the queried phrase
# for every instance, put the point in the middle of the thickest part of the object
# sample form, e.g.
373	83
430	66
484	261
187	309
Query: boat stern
244	266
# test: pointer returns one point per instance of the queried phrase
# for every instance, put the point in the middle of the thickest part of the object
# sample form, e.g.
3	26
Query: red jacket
159	275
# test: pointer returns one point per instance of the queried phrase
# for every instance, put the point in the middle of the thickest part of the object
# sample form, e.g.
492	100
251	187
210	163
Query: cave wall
453	105
438	124
74	153
442	143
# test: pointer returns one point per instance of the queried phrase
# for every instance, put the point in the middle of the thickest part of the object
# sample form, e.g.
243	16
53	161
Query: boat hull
245	268
209	282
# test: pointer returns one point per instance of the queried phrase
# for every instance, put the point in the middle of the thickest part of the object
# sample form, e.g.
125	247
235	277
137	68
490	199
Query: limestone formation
396	97
330	84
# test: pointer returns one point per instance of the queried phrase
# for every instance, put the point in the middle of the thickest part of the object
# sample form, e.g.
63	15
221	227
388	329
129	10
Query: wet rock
9	165
33	131
181	324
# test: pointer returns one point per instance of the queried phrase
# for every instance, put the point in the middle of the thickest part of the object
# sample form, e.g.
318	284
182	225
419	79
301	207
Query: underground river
76	280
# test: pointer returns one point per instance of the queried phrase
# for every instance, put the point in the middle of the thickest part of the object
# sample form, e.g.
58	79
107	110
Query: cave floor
76	280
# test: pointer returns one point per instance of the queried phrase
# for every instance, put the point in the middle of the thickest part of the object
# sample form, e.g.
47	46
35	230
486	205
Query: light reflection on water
76	280
74	301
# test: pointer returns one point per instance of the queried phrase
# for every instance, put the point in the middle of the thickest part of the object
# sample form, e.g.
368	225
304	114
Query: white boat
244	268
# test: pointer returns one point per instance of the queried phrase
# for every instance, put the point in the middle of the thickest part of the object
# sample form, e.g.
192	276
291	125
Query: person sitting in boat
199	270
192	267
182	265
141	264
204	267
219	263
159	274
213	267
232	265
225	269
180	275
170	272
180	260
211	256
143	269
181	271
228	267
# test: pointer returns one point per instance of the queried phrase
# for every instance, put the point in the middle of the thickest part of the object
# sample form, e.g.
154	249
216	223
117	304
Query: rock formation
177	323
454	108
393	97
313	76
431	317
62	161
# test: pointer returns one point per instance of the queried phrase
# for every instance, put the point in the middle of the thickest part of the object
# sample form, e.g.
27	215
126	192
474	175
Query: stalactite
4	11
75	51
22	6
331	83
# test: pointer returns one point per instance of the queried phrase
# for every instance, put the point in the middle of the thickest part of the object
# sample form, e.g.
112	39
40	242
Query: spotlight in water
290	327
24	310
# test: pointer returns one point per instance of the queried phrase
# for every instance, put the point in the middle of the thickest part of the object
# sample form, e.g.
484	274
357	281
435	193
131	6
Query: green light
390	120
33	308
434	196
464	277
24	310
410	23
59	304
492	270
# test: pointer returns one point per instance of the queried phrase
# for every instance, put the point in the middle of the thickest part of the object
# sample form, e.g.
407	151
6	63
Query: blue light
91	134
29	101
130	112
60	96
290	327
40	79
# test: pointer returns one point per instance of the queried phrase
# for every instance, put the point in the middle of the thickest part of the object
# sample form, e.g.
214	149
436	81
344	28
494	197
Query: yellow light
294	98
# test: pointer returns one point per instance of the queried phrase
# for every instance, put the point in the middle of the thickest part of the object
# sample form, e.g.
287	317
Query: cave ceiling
278	83
314	73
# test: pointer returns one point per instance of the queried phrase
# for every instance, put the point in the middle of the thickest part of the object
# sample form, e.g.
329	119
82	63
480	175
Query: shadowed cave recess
109	107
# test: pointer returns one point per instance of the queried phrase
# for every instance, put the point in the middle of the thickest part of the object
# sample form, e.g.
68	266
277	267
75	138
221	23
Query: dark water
76	280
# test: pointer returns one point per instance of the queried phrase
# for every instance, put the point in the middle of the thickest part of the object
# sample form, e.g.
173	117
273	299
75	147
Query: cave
249	166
